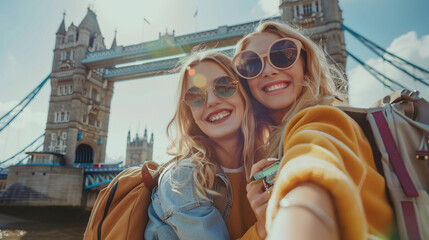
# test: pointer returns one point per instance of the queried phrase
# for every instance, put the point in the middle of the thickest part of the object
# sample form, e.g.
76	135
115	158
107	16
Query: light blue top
177	212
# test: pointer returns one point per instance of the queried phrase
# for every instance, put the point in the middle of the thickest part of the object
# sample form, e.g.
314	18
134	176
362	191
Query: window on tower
70	38
307	8
92	119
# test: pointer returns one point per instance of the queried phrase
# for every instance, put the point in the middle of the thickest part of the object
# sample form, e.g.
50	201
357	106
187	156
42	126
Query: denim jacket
182	214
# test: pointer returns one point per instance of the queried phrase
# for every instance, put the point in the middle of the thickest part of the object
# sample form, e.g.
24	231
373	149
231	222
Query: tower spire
114	40
62	28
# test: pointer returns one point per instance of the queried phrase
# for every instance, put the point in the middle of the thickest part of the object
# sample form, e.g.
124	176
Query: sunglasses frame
213	89
297	43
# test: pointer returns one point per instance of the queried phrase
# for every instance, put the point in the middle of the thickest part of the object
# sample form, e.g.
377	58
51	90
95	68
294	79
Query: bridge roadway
95	177
162	55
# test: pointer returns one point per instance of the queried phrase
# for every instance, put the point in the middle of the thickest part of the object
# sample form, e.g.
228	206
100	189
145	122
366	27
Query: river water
46	223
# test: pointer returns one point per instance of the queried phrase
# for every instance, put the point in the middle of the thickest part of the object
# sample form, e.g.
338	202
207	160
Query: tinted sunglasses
282	54
223	87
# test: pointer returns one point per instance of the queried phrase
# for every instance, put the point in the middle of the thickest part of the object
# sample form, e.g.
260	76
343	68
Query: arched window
84	155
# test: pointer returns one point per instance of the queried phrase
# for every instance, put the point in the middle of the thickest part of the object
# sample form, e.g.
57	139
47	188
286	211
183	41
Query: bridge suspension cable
29	145
6	119
396	61
378	75
35	150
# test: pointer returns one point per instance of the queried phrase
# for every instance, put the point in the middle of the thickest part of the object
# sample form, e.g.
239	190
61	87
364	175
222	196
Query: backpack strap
151	172
394	155
148	179
407	184
106	209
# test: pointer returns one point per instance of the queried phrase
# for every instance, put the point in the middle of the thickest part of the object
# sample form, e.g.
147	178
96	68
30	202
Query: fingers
259	166
257	195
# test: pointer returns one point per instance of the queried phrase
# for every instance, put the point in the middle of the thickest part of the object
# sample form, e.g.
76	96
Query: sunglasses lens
195	97
283	54
225	87
248	64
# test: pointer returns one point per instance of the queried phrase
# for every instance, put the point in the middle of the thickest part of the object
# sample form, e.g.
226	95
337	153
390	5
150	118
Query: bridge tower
139	149
79	105
322	20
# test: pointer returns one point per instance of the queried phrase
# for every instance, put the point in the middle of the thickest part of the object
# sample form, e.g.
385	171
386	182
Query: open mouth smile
276	86
217	116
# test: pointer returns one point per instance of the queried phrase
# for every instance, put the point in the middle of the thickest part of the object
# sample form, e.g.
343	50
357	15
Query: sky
27	41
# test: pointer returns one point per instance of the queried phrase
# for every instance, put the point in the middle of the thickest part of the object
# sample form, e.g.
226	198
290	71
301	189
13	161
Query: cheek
195	115
239	107
253	86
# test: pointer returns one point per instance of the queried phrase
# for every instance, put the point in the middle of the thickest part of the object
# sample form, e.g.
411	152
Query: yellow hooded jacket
324	145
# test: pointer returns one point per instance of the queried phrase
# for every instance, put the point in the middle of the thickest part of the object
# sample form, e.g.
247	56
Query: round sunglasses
282	54
223	87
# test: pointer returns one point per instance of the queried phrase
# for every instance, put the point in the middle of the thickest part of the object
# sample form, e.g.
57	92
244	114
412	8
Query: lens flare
191	71
199	80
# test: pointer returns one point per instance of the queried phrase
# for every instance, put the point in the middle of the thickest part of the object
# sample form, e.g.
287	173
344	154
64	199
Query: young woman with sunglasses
214	149
328	186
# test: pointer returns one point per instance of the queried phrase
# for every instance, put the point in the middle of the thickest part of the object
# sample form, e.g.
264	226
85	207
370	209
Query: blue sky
28	30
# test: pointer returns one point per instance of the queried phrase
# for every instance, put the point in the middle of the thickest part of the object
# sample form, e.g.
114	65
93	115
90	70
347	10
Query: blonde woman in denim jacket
215	143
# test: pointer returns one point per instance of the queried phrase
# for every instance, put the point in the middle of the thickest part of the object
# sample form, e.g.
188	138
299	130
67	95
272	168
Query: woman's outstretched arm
324	147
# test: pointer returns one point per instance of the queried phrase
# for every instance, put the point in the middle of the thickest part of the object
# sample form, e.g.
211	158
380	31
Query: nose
212	98
268	70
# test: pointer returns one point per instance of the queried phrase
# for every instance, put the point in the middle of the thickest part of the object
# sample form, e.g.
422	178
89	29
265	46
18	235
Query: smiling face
219	118
275	89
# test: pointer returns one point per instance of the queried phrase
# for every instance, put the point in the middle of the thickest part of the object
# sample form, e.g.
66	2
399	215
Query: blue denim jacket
182	214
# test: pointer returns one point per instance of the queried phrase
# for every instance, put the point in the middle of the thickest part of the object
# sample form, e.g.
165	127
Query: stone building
79	105
139	149
321	20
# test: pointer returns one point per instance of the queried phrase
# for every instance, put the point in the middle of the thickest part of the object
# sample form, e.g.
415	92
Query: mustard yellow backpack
120	210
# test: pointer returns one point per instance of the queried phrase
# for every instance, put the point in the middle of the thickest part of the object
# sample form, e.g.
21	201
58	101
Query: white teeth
275	87
219	116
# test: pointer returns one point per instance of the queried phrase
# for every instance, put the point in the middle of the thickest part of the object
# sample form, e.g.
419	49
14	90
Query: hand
258	197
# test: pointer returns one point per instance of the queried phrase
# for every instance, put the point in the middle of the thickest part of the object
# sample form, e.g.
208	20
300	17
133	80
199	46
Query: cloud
268	7
365	89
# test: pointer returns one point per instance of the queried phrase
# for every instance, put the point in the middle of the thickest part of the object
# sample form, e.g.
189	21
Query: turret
129	136
145	134
151	139
114	41
61	33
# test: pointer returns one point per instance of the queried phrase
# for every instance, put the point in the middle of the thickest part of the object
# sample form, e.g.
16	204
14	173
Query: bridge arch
84	155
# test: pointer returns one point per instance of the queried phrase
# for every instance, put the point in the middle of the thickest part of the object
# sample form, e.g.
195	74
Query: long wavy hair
188	141
324	81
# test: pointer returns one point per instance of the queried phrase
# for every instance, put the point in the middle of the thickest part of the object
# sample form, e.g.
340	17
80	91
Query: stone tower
79	105
322	20
139	149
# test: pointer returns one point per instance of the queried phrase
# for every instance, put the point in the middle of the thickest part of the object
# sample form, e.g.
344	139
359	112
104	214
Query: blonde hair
323	81
190	142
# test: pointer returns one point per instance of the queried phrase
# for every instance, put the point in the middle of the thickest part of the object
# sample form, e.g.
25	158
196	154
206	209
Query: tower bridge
83	75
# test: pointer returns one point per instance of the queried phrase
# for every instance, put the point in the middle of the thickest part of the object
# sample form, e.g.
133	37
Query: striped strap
407	184
394	155
410	219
